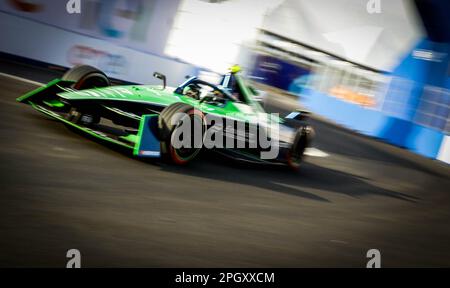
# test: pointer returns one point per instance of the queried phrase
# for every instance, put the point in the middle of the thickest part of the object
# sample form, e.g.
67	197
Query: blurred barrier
408	107
277	72
138	24
417	138
38	41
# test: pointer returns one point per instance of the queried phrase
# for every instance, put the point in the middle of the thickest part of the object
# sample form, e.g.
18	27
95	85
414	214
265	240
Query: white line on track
21	79
314	152
311	151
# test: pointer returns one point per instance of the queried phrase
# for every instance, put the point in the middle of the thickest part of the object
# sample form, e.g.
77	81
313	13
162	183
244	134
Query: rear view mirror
162	77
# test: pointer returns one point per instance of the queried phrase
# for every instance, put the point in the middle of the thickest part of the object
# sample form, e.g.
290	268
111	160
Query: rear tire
295	155
86	77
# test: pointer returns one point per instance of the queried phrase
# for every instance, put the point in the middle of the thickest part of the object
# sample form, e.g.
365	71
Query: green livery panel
127	116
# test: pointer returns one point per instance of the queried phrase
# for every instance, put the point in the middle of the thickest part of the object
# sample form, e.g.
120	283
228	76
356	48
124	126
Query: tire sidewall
167	129
82	74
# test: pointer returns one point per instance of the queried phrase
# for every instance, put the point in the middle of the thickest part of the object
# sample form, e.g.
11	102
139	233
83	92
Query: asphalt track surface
59	191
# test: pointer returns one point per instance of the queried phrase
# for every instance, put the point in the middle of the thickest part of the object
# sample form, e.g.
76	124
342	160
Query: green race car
175	124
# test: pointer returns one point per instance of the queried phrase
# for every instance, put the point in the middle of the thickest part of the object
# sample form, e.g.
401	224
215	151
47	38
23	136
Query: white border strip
444	151
21	79
314	152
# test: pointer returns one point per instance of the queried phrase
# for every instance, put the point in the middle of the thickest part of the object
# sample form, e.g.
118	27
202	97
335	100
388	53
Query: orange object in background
352	96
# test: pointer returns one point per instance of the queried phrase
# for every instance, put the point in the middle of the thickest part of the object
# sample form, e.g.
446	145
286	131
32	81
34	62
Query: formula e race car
175	124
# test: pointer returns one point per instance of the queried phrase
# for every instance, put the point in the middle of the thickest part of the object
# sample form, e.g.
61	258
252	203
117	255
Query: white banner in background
27	38
349	29
139	24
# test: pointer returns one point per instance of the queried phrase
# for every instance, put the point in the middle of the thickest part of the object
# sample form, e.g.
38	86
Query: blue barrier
419	139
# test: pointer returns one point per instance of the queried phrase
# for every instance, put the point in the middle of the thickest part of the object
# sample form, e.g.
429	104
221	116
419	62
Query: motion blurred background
378	67
374	73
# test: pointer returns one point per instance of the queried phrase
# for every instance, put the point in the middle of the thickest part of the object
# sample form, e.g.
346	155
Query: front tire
169	121
86	77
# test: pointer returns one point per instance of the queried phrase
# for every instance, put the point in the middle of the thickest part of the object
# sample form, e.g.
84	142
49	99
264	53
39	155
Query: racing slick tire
86	77
302	140
169	120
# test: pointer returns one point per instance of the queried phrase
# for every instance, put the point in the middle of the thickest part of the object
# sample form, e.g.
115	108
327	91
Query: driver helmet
192	91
